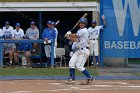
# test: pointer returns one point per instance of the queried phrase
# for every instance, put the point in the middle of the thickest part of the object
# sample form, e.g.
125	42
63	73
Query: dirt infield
58	86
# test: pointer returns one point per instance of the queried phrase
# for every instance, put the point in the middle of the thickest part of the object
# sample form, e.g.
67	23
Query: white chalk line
21	83
123	83
52	90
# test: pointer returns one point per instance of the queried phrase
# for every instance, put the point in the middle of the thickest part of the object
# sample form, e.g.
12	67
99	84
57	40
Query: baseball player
9	48
18	33
48	34
24	49
79	58
1	34
94	32
53	23
7	30
33	33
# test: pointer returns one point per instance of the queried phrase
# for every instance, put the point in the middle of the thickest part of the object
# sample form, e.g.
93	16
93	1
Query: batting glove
68	33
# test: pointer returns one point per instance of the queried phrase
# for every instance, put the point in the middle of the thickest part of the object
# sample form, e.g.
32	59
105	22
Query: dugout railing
26	41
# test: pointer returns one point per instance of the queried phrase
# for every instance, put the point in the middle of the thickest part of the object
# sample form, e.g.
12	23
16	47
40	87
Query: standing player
1	34
9	48
18	33
7	30
49	34
54	26
32	32
79	58
55	45
94	32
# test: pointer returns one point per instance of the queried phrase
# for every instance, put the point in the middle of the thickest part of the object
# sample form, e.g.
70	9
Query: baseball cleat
70	81
8	64
89	80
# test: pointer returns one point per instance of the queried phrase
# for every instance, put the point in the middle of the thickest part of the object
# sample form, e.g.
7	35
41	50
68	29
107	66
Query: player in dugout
33	33
9	48
49	33
24	49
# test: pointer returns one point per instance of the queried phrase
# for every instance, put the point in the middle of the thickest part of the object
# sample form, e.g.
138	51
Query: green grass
40	72
137	74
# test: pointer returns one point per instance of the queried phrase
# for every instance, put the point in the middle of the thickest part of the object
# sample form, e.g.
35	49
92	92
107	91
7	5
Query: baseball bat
57	22
78	22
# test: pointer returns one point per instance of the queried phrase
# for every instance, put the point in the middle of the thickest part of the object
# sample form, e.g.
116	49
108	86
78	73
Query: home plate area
59	86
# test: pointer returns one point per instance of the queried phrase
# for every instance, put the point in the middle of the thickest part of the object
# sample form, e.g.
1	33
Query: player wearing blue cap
18	33
48	34
94	32
9	48
7	30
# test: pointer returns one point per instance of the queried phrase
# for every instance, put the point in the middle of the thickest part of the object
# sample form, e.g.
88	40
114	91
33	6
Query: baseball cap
93	22
32	23
7	23
49	22
53	23
17	24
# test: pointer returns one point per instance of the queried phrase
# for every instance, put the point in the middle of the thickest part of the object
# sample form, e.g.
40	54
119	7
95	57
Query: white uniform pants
93	46
48	51
79	59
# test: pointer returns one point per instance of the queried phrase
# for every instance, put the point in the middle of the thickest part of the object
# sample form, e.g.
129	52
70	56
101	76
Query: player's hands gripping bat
78	22
69	32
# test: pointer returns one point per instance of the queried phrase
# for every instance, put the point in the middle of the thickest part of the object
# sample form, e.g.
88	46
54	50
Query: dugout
67	12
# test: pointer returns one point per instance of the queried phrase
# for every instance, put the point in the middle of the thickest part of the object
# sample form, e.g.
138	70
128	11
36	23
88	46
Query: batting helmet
94	22
83	20
17	24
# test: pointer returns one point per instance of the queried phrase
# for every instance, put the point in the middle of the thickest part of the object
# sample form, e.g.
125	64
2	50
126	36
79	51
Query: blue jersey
25	47
49	33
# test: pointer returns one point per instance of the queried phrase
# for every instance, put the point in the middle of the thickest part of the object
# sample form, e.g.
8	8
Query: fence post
40	23
1	55
101	36
52	53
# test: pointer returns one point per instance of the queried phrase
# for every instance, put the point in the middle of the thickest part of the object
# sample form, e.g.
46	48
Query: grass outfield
41	72
137	74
